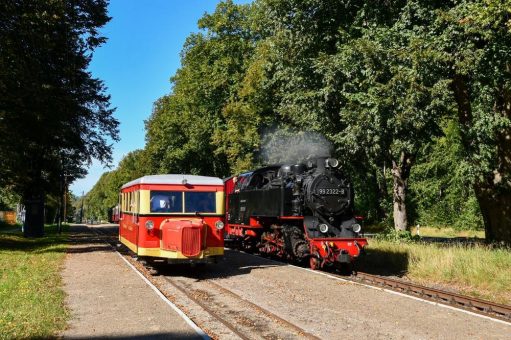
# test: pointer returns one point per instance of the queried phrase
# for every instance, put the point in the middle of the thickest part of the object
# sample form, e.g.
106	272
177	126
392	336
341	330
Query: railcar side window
166	201
200	202
133	202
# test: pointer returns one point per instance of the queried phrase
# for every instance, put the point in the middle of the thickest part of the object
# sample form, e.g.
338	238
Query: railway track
471	304
245	319
242	317
487	308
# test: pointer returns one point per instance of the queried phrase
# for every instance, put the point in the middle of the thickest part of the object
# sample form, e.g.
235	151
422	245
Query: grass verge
447	232
31	295
476	270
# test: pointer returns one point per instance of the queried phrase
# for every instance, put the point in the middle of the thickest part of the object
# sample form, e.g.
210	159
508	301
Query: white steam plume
283	146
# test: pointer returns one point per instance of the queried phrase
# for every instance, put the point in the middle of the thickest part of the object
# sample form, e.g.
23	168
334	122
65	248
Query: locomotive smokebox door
328	195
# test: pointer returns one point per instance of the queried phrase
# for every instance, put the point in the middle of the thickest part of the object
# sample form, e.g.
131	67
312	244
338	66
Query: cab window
200	202
166	201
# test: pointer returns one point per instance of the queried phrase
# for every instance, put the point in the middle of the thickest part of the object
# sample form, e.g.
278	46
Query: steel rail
269	314
483	307
478	306
182	290
214	314
475	305
231	325
211	312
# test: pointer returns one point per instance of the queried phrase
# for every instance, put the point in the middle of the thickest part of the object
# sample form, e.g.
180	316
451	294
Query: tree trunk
382	193
34	216
496	209
400	174
494	192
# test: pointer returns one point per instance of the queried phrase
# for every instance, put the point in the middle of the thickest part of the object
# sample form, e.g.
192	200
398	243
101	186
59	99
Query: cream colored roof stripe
175	179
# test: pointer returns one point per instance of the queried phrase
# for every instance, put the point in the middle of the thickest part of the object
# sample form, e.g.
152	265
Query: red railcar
114	214
179	218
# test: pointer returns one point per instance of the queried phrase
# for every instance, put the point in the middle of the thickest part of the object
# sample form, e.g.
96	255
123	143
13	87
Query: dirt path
108	299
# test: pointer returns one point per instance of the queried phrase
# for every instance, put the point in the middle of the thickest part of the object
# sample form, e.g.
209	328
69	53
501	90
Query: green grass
447	232
426	231
476	270
31	295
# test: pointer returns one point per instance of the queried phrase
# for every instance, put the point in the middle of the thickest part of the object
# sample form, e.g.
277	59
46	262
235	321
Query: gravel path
109	300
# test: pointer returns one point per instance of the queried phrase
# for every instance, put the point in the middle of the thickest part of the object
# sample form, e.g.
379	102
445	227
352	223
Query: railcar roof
175	179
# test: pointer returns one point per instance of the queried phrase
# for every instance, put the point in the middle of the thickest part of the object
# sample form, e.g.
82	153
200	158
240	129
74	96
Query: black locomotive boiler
299	211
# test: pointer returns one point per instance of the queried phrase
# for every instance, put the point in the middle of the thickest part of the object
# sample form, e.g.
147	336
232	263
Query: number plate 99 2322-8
331	191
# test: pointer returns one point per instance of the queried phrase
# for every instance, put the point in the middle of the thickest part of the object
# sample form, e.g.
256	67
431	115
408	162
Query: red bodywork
173	236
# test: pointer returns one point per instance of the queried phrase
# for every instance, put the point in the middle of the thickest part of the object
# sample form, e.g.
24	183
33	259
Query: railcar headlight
356	227
149	224
323	227
219	225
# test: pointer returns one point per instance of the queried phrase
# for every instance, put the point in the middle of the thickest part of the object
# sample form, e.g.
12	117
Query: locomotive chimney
320	164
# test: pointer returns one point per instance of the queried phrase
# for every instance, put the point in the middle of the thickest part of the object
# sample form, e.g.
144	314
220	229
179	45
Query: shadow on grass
385	263
12	239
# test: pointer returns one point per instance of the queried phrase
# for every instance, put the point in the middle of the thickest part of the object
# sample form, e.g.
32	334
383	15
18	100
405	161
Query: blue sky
141	54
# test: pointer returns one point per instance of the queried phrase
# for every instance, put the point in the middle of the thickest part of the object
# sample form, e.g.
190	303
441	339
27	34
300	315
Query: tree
350	72
105	193
441	191
477	56
54	116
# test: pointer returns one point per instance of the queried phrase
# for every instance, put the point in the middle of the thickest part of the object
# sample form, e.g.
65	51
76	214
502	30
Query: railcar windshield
200	202
166	201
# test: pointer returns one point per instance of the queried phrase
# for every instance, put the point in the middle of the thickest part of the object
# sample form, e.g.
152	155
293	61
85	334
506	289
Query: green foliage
8	199
397	236
105	193
440	184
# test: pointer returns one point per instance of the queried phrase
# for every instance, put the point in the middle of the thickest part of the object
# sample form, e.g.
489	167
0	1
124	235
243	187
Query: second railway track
482	307
463	302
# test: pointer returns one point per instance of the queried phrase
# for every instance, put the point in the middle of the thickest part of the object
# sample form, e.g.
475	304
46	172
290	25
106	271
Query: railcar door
135	202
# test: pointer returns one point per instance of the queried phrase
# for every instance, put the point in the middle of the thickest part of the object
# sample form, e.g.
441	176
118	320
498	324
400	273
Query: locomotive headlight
149	224
356	227
219	225
323	227
332	162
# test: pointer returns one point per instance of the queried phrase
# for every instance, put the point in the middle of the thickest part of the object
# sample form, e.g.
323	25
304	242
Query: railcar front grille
191	241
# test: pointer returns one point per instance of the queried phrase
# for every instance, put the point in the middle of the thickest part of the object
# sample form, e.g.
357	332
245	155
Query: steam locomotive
298	212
